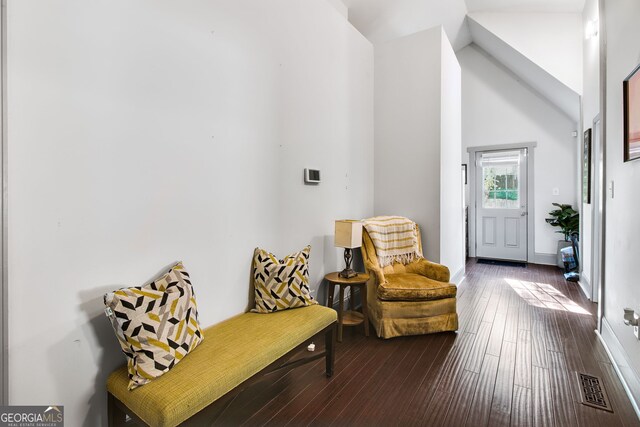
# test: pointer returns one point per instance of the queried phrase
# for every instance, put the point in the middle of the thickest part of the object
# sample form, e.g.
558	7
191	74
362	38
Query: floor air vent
592	392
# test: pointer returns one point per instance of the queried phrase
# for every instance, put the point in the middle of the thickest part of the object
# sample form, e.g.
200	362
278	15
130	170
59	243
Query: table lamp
348	235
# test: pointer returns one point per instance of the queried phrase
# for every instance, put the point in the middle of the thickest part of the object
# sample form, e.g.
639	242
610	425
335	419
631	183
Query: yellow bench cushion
232	352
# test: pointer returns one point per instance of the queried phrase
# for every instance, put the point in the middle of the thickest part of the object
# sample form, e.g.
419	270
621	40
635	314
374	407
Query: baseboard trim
459	277
545	259
585	286
628	377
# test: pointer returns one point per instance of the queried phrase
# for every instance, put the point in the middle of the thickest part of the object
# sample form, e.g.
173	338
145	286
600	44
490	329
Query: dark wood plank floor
524	332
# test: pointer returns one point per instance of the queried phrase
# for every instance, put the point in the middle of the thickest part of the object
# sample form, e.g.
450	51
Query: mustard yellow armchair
411	299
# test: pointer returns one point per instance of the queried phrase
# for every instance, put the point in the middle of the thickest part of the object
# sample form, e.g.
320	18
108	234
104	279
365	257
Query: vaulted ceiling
525	5
382	20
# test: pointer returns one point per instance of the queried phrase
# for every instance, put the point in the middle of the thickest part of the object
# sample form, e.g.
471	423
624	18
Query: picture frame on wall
586	167
631	99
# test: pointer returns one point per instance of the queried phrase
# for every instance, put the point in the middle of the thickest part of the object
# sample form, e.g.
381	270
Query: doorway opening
501	202
596	216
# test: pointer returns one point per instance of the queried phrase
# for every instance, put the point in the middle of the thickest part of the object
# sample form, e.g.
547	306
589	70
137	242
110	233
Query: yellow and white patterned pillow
156	324
281	284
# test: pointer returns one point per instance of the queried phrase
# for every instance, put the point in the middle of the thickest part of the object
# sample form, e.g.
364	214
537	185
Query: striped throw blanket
395	239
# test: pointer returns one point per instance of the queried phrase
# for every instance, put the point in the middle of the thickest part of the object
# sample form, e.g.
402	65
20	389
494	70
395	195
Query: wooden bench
234	354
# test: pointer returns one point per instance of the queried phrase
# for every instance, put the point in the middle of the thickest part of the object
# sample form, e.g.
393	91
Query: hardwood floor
523	334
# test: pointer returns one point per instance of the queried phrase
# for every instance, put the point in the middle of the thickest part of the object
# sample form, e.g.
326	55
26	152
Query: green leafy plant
566	218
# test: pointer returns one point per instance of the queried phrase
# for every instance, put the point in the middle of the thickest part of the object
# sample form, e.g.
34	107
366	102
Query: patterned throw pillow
156	324
281	284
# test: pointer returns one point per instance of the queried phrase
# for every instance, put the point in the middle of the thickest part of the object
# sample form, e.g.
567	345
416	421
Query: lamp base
347	273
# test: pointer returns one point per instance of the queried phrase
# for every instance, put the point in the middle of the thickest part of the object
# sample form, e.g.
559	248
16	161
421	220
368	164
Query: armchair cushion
429	269
414	287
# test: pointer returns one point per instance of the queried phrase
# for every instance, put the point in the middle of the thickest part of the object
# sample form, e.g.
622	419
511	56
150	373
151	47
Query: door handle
523	213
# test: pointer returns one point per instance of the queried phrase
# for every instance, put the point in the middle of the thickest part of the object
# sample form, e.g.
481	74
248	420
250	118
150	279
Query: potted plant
568	220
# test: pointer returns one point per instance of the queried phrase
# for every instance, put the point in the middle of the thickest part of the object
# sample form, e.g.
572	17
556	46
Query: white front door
501	204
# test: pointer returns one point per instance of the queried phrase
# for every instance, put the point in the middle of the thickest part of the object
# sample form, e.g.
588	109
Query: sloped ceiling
564	98
382	20
553	41
525	5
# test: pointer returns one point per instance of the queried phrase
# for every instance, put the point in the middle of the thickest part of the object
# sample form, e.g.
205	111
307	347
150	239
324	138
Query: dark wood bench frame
118	411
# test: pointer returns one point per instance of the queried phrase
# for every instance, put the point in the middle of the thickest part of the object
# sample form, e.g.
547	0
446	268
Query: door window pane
500	186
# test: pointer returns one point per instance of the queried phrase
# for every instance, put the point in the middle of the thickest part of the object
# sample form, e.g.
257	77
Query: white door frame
530	194
4	304
602	288
597	237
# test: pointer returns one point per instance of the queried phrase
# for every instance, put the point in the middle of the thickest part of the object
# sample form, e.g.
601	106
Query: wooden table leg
363	299
340	310
331	287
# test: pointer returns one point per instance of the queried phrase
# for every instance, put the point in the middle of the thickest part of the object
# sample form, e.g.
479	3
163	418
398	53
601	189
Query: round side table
349	317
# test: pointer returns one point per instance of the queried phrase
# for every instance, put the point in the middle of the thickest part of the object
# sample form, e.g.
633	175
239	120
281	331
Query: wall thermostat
312	176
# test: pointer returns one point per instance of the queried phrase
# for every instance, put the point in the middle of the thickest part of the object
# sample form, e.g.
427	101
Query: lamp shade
348	234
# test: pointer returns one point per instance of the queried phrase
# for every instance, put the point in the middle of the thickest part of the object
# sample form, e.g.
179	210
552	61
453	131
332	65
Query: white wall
622	226
590	109
498	109
417	140
452	243
340	7
142	133
407	132
551	40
